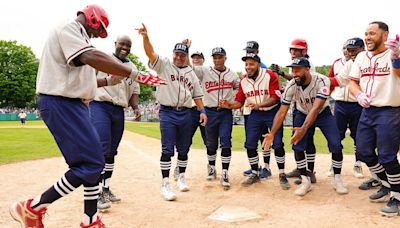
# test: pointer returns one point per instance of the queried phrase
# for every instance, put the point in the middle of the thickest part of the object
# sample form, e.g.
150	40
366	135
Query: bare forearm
148	48
279	118
268	103
311	117
134	101
105	63
288	76
235	105
101	82
199	103
354	87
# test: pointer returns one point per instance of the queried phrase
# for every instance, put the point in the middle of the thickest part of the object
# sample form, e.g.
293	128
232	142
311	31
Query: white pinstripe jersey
57	74
377	78
304	98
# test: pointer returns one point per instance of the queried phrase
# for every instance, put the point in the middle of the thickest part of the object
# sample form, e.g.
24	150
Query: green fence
14	116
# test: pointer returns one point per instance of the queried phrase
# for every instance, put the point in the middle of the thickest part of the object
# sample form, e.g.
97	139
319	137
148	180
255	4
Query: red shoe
24	214
96	224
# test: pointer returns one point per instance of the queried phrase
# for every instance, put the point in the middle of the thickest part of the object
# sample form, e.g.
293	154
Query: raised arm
148	47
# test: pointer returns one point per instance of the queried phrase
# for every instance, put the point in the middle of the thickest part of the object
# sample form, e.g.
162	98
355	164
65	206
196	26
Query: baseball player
299	48
257	93
22	117
107	115
175	100
263	172
218	83
375	81
311	92
197	59
66	77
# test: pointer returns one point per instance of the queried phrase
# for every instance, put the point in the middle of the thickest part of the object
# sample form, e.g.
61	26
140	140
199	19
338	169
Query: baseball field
30	162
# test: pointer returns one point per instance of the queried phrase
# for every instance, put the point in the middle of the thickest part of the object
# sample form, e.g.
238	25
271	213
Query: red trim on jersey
374	75
240	97
219	88
273	85
332	71
334	83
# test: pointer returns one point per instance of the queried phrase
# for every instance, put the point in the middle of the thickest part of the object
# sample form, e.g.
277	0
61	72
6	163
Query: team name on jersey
213	85
182	79
375	70
307	100
254	93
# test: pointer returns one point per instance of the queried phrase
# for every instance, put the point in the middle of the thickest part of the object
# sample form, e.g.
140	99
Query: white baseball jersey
216	85
343	93
258	91
121	93
377	78
305	97
182	84
22	115
57	74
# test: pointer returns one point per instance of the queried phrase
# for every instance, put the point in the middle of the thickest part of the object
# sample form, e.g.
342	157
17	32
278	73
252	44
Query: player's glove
149	79
277	69
394	45
113	80
363	100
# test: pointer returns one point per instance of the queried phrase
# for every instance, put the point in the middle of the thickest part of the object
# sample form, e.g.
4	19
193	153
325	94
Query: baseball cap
300	62
251	56
218	51
182	48
198	53
355	43
251	46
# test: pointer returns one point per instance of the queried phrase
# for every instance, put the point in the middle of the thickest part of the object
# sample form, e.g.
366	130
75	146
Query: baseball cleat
251	179
166	191
24	214
96	224
311	175
102	202
283	181
357	170
110	197
380	196
392	208
212	173
371	183
225	180
264	173
339	186
304	187
182	183
247	172
293	173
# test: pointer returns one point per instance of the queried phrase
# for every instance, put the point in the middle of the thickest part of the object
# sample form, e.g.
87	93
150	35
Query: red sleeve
240	97
331	74
273	85
334	83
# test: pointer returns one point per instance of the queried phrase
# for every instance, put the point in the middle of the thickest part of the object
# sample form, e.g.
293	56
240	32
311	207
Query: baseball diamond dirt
137	181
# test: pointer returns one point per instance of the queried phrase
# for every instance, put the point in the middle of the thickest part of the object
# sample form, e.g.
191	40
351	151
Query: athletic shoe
182	183
357	170
109	195
304	187
166	191
264	173
371	183
330	172
225	180
381	195
293	173
311	175
392	208
96	224
24	214
176	173
251	179
102	202
247	172
339	186
212	173
283	181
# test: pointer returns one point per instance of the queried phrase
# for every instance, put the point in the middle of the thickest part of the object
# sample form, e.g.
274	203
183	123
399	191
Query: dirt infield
137	181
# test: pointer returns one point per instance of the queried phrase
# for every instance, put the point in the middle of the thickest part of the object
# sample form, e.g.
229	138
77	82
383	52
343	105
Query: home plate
233	214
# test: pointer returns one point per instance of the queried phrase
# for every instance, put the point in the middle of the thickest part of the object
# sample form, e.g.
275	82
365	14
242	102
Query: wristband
203	111
396	63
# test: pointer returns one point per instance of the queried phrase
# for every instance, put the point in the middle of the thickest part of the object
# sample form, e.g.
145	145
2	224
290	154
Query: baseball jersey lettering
377	78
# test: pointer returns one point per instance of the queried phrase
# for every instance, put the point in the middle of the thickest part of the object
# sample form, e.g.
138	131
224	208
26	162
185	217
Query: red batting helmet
96	17
299	44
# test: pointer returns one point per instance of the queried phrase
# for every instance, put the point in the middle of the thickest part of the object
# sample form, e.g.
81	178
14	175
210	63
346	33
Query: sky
326	25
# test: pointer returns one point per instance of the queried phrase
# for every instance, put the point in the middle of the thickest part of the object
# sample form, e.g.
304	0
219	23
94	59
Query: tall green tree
324	69
146	92
18	70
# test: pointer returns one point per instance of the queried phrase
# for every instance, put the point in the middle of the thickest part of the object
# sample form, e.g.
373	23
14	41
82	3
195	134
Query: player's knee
165	157
387	158
226	152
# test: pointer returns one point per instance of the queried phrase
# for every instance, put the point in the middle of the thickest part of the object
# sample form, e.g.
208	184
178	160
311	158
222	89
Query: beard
377	44
300	81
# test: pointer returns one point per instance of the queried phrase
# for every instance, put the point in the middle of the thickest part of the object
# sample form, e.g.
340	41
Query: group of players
192	95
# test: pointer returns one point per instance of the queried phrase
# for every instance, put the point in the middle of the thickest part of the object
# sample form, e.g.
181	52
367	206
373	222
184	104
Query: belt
174	108
217	109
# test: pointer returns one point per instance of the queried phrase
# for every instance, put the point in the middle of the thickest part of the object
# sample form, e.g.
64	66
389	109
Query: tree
146	92
18	70
323	69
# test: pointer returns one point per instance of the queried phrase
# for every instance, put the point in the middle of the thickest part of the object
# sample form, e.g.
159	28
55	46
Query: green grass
238	137
20	144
